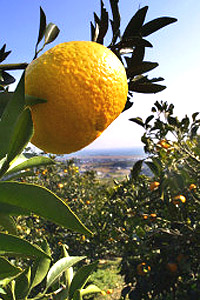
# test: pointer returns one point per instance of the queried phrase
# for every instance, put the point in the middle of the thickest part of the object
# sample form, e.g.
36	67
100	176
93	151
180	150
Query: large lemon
85	86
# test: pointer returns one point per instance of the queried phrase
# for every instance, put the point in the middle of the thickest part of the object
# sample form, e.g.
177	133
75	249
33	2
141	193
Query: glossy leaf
32	162
42	202
81	277
141	68
42	25
11	245
128	105
90	289
8	223
61	266
7	269
51	33
134	26
40	267
10	115
156	24
22	133
68	274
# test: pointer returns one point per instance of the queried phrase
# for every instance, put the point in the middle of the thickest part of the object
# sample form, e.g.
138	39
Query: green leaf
11	245
3	54
7	269
5	78
90	289
12	210
147	88
131	43
136	170
141	68
42	202
40	267
22	133
8	223
134	26
115	23
156	24
61	266
10	115
81	277
51	33
77	295
31	100
4	99
138	121
32	162
42	26
68	274
22	283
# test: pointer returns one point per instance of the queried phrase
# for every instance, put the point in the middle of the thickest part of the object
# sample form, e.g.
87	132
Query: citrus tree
157	229
18	126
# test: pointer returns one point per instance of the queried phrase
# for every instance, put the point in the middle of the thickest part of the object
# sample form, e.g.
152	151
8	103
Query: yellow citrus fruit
86	88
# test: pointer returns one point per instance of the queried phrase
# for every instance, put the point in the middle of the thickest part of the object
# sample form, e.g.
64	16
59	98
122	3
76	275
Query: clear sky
176	49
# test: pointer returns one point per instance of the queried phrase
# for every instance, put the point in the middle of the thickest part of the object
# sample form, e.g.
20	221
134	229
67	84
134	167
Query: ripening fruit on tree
179	199
85	85
143	269
164	144
192	186
172	267
154	185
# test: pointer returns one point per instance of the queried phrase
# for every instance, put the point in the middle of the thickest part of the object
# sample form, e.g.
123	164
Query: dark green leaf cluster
131	42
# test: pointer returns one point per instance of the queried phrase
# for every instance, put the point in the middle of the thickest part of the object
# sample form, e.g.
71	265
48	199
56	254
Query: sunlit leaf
22	133
61	266
42	202
81	277
90	289
32	162
51	33
10	115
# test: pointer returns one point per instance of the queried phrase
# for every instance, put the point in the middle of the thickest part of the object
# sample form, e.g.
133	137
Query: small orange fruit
178	199
60	185
172	267
109	291
192	186
143	269
164	144
154	185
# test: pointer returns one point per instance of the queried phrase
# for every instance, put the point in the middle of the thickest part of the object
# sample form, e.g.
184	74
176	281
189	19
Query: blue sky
176	49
